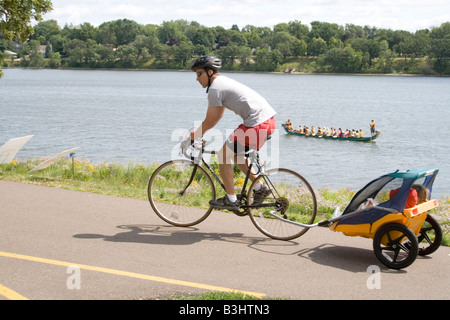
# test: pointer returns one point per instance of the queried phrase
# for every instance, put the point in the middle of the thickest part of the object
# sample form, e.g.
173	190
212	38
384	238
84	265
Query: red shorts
253	137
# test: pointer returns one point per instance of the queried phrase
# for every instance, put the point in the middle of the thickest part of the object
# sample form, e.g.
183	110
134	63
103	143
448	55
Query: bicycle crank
282	205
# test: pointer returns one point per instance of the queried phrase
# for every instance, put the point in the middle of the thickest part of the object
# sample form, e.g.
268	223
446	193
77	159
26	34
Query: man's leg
226	169
243	163
229	202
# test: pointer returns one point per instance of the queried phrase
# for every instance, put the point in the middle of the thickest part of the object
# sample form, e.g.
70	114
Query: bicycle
179	192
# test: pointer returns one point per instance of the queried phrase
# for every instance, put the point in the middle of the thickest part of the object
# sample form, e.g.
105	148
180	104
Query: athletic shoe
224	204
260	195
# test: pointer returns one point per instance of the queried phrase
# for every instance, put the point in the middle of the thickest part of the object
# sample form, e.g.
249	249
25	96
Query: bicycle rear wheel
180	196
291	200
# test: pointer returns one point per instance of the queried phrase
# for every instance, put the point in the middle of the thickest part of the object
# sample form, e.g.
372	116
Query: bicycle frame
253	158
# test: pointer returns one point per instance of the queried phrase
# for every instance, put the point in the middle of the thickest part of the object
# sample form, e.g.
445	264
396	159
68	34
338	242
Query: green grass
131	180
106	178
214	296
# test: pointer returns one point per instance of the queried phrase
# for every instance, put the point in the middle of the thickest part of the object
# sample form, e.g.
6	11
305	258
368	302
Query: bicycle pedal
230	209
240	213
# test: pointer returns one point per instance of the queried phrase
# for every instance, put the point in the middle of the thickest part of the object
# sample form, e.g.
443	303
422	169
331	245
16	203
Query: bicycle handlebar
188	147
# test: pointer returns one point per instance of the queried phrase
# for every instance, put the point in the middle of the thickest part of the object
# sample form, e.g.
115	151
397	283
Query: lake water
123	116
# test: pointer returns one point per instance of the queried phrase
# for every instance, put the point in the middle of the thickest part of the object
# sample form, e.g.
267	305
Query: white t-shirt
245	102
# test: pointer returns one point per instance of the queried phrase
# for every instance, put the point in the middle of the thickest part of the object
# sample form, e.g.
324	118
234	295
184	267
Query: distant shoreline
294	73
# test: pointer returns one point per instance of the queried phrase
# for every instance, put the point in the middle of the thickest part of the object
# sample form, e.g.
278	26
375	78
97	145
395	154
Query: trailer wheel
430	236
395	245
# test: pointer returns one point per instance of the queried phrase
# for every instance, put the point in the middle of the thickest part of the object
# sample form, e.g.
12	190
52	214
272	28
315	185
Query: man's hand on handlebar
186	144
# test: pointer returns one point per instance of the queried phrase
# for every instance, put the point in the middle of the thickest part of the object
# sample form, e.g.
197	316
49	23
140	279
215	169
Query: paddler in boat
333	132
319	131
289	125
372	128
347	133
307	131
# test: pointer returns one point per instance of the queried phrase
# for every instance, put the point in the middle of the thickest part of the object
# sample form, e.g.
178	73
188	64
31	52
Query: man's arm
213	116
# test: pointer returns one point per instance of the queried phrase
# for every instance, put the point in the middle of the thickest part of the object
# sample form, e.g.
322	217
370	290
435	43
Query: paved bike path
62	244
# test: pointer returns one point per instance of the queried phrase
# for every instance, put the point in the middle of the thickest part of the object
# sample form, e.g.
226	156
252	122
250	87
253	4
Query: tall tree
16	17
440	48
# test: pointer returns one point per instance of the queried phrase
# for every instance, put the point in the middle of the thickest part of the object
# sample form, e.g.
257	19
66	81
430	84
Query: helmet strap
209	83
209	77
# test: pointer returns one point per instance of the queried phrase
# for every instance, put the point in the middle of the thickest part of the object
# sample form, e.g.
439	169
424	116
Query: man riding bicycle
258	125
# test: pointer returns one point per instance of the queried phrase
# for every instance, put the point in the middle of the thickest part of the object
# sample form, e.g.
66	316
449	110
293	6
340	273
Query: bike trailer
392	210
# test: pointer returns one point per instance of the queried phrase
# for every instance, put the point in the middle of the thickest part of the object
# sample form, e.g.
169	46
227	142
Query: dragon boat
361	139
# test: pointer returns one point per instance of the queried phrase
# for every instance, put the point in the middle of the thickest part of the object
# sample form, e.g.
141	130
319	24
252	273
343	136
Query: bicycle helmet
204	62
207	62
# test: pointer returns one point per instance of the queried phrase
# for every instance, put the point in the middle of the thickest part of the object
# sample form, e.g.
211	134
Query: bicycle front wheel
179	193
291	200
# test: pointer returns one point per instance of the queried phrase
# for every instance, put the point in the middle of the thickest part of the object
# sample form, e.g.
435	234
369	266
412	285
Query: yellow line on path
10	294
127	274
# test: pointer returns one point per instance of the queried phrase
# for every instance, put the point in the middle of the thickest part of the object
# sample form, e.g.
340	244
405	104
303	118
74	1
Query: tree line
321	47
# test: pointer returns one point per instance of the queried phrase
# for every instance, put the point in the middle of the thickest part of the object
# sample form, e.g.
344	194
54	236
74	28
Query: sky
410	15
